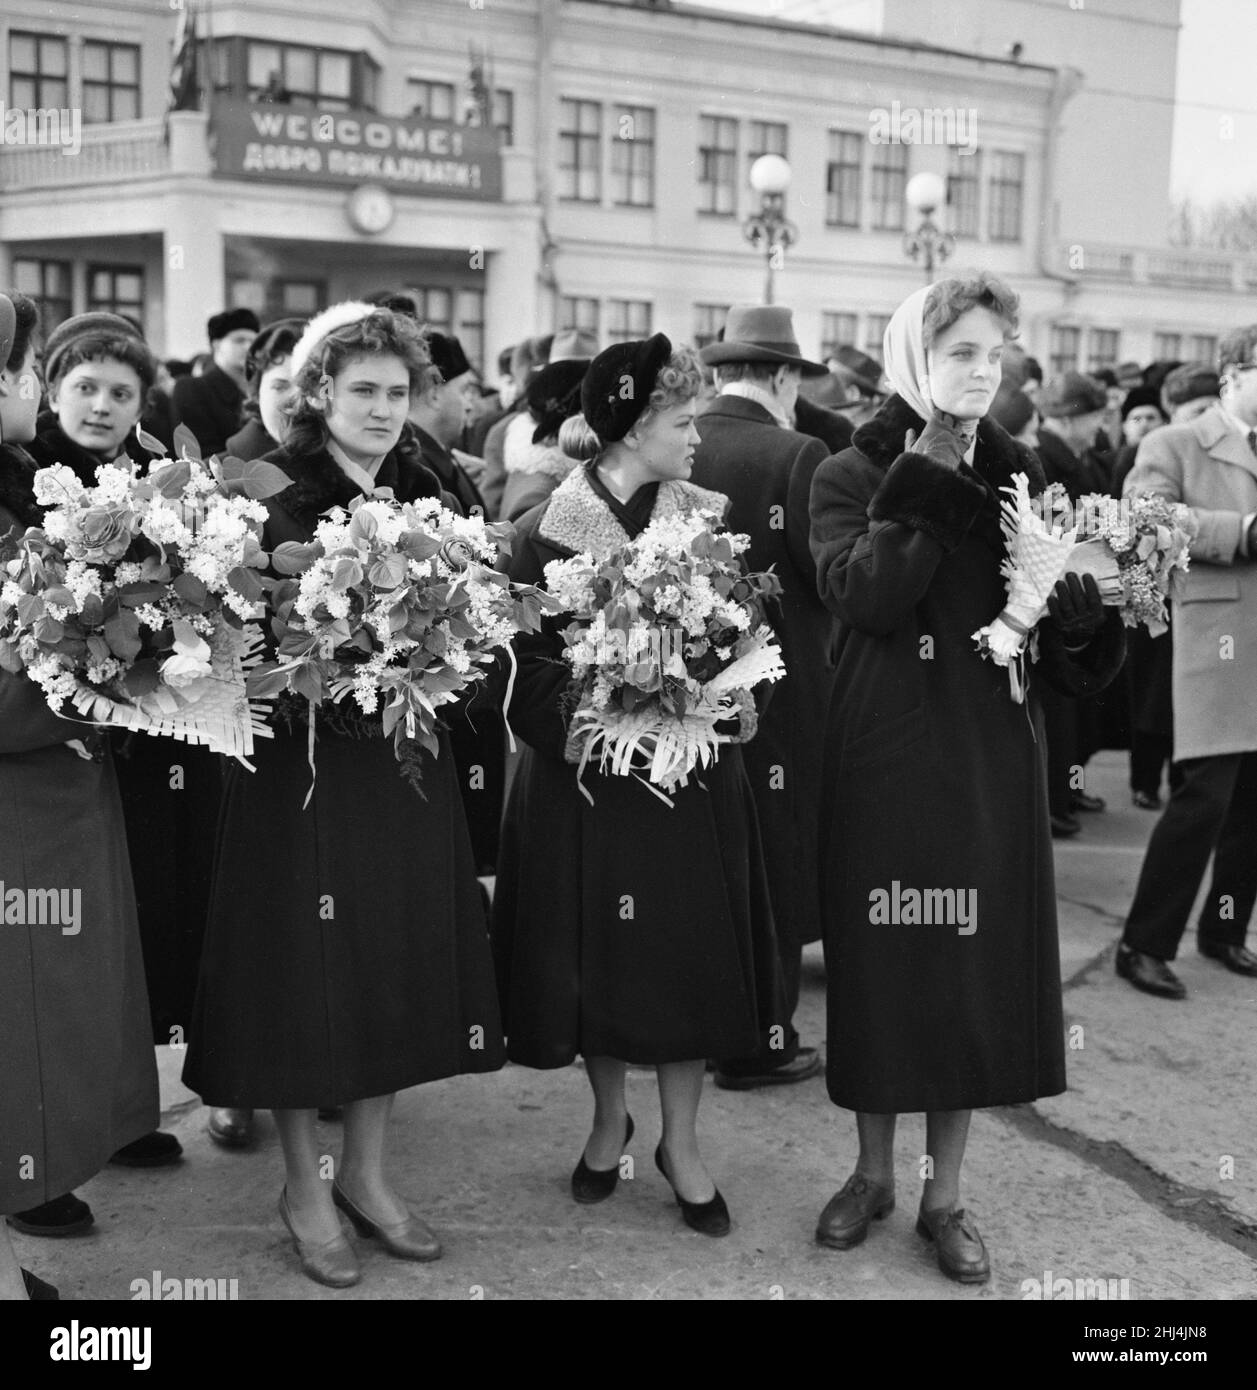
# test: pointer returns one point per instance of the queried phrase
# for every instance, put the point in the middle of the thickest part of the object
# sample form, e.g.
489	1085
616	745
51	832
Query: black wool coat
935	781
251	441
833	429
210	405
766	472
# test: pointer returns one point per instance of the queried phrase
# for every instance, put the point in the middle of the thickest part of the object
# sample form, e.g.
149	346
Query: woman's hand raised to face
945	438
1076	608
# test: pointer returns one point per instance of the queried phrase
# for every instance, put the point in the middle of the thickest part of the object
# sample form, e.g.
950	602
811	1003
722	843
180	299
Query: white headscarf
903	353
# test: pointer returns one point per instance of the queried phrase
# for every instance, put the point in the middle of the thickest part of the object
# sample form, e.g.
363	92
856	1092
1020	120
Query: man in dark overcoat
211	404
752	453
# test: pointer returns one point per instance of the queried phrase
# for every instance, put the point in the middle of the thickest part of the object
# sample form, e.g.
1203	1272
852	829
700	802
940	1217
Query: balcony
110	154
1180	268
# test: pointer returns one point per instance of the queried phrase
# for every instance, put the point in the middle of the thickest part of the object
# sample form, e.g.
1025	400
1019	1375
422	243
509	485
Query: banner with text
314	145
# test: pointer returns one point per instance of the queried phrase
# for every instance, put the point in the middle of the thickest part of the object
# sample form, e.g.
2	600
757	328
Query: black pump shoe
590	1185
707	1218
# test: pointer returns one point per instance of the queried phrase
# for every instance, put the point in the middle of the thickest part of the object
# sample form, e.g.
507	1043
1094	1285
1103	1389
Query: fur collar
997	457
577	519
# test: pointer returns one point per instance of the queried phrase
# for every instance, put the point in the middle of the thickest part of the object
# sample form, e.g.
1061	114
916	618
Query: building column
193	271
511	308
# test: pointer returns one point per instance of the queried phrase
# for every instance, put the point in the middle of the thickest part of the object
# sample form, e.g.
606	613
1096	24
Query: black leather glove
1076	608
945	439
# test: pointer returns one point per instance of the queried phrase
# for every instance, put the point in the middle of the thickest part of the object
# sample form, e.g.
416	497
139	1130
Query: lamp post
926	192
770	228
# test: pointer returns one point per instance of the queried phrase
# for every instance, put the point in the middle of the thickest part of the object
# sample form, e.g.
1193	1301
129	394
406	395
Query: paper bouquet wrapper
214	711
1035	563
1095	558
662	750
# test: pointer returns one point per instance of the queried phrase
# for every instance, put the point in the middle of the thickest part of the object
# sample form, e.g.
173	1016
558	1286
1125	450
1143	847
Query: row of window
117	289
39	73
613	147
1103	348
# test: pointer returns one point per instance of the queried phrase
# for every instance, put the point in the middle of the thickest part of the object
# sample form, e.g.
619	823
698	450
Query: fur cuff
939	501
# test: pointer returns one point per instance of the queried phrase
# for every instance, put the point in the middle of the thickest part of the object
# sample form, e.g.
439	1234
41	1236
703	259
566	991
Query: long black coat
935	780
346	953
210	405
766	472
627	928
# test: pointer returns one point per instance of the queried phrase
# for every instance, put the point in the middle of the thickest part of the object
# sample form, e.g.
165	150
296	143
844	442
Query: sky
1215	119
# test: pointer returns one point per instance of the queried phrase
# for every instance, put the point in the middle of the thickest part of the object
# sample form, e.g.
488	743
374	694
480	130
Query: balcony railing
109	153
1185	268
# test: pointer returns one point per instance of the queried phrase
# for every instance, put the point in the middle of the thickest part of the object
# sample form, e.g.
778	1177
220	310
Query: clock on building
371	208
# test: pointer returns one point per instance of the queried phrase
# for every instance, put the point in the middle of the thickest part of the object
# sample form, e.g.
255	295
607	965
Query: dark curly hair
26	312
949	299
383	333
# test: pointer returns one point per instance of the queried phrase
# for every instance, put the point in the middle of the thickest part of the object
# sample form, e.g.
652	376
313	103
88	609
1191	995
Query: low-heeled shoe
1237	958
591	1185
848	1213
333	1263
707	1218
1148	973
63	1216
155	1150
802	1067
961	1254
231	1128
408	1240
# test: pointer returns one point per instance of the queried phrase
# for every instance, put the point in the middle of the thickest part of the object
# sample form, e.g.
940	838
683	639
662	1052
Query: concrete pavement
1146	1170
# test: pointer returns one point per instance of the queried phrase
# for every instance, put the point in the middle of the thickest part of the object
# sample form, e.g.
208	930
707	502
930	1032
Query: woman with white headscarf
939	906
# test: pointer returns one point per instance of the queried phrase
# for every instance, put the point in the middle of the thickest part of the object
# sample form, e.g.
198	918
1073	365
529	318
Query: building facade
592	170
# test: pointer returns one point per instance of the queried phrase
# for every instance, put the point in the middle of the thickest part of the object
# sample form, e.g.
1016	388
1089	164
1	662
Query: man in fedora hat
751	451
862	376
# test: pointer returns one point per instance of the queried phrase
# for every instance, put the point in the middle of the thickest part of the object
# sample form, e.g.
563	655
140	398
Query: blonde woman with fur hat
346	956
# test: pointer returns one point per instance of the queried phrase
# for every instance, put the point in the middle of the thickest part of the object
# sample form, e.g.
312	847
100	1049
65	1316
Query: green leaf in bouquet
387	572
392	715
256	478
345	574
362	639
293	557
443	679
398	617
149	442
247	583
460	627
92	612
9	659
362	526
154	570
265	681
122	632
30	608
186	443
63	598
418	545
48	630
308	682
295	642
139	592
97	648
143	678
191	590
171	477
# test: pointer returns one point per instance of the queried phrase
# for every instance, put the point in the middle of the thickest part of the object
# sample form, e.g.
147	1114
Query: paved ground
1125	1177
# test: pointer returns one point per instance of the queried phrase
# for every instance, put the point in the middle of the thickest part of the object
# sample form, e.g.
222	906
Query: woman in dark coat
628	931
940	912
271	393
346	956
77	1077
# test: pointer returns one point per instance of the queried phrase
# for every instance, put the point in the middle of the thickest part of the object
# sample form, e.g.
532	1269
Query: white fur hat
338	316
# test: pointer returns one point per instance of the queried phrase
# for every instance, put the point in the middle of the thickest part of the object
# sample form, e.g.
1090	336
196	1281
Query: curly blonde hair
680	379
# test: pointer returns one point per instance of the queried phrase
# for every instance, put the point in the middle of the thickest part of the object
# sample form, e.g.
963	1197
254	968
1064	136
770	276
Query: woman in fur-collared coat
936	801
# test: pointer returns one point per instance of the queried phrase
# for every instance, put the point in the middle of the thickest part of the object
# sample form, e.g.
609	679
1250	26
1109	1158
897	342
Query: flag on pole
185	93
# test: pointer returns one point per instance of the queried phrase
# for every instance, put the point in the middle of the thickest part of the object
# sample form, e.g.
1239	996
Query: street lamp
770	228
924	193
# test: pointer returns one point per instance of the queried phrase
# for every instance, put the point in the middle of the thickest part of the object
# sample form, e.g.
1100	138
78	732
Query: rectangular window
1167	347
842	179
888	179
220	61
111	81
575	312
435	305
580	151
709	319
718	165
299	75
504	116
962	194
1007	177
117	289
37	70
837	330
874	332
48	283
1203	347
633	157
765	137
1063	349
299	298
1102	348
470	309
370	83
627	319
435	100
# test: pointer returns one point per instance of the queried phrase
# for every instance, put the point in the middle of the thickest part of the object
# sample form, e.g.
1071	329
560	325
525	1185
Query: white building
616	191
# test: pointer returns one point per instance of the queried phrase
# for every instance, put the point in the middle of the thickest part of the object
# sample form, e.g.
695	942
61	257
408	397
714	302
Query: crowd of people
872	491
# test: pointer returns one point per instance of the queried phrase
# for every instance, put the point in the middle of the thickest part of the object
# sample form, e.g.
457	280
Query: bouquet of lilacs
132	600
393	610
1132	548
666	642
